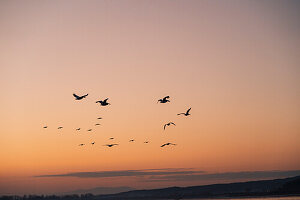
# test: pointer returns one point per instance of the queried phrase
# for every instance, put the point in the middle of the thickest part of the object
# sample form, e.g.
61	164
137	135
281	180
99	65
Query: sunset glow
234	63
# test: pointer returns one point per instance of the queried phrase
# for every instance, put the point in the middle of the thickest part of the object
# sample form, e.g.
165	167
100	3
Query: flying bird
110	145
97	124
78	129
79	97
45	127
187	113
146	142
60	127
131	140
111	138
104	102
99	118
81	144
164	100
166	144
92	143
168	124
89	130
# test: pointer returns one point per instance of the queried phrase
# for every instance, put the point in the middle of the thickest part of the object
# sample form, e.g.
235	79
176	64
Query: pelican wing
187	112
167	97
76	96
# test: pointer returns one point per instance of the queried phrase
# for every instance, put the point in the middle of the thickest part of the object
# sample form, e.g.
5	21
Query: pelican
110	145
81	144
104	102
97	124
45	127
164	100
187	113
79	97
166	144
131	140
78	129
92	143
89	130
60	127
168	124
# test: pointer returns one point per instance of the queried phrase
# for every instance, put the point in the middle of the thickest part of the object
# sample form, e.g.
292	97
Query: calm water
267	198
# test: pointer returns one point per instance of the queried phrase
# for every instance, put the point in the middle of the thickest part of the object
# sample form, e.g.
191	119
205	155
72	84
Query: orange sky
235	63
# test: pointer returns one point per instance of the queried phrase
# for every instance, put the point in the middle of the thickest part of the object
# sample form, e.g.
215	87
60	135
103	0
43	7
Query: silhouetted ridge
264	188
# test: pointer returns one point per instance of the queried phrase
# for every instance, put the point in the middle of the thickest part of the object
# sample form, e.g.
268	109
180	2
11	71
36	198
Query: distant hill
276	187
101	190
287	186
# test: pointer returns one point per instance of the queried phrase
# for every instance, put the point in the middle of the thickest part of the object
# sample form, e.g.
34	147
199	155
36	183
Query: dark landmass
277	187
100	190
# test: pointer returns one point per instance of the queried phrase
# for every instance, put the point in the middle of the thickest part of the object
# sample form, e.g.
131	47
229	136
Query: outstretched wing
76	96
163	145
167	97
181	114
165	126
172	123
105	100
85	95
188	110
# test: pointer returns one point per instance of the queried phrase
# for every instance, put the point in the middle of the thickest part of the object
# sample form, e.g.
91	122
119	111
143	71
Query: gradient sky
236	63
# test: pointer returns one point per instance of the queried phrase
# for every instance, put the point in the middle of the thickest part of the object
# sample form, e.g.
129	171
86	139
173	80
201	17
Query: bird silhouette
97	124
187	113
80	144
131	140
164	100
99	118
45	127
78	129
104	102
92	143
166	144
89	129
79	97
111	138
146	142
168	124
110	145
60	127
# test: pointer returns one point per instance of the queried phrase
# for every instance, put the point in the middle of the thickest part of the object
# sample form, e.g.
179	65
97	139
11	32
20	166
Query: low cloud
132	173
181	174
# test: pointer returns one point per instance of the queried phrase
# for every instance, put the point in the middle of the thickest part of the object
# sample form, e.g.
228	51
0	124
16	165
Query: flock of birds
105	103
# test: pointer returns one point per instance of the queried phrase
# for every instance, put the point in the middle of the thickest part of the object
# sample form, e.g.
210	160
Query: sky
235	63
